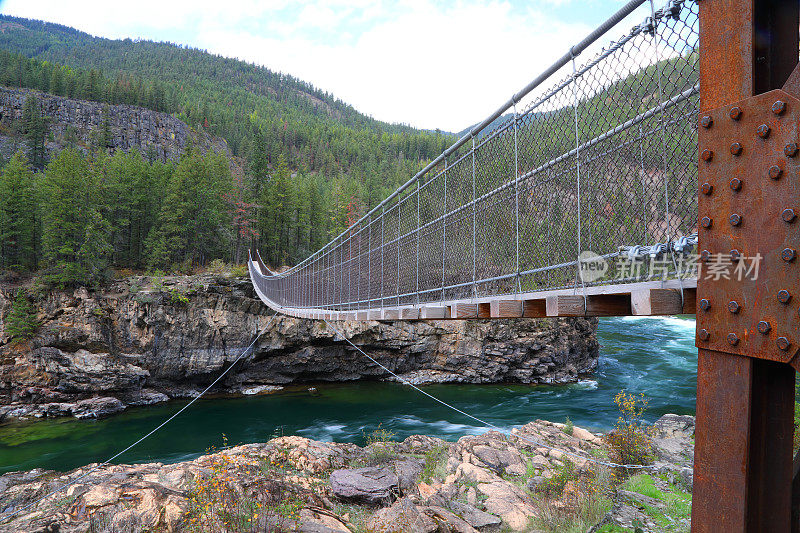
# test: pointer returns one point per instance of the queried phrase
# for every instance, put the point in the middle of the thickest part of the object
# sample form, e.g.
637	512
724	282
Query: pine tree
192	217
35	131
57	81
17	215
95	252
63	204
22	323
260	163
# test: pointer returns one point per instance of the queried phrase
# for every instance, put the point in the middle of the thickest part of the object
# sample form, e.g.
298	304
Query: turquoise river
654	356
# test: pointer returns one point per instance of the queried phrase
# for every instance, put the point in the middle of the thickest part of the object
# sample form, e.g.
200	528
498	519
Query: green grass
612	528
677	504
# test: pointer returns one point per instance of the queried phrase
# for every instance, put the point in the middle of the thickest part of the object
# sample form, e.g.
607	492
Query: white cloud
427	63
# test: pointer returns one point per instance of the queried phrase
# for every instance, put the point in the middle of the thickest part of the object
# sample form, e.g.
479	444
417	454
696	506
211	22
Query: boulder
320	521
371	485
450	521
671	426
509	503
408	472
476	518
402	517
97	407
673	440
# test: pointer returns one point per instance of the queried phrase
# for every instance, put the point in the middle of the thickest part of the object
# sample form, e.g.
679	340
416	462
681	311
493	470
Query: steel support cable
474	226
444	229
154	430
575	102
518	285
663	128
484	422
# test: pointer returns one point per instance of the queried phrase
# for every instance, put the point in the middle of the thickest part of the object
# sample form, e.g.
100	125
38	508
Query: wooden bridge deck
650	298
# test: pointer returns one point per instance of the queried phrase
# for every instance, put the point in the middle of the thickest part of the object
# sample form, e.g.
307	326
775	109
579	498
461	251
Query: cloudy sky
426	63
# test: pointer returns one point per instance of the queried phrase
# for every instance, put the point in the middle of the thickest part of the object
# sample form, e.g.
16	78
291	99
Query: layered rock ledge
143	340
527	481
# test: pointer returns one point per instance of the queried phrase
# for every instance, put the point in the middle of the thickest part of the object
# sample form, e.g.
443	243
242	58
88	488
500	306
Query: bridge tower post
743	471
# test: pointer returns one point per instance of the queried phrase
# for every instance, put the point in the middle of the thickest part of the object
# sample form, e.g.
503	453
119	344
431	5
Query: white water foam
588	384
684	324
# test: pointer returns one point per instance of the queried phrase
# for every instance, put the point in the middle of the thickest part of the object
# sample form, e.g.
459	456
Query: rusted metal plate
749	173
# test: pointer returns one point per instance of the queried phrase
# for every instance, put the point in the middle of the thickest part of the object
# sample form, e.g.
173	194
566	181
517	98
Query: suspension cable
484	422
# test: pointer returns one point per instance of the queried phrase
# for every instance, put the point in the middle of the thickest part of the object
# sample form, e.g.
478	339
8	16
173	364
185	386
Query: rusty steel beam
743	444
719	492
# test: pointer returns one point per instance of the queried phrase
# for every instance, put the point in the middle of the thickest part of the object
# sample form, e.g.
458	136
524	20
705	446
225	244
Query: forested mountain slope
262	114
306	163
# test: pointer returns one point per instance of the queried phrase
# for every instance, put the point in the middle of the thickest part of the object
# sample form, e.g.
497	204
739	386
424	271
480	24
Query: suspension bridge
658	176
580	200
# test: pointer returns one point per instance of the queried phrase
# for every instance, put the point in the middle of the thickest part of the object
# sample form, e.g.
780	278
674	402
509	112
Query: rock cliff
127	127
142	340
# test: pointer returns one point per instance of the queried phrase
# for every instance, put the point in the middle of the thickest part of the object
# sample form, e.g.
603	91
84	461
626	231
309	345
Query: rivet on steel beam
790	150
764	327
783	343
784	296
705	305
705	255
706	222
707	155
788	254
736	184
703	334
779	107
735	113
733	306
733	339
788	215
735	255
763	131
735	219
775	172
706	121
736	148
707	188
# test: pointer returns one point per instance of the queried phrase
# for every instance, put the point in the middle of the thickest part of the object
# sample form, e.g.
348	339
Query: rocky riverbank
539	478
143	340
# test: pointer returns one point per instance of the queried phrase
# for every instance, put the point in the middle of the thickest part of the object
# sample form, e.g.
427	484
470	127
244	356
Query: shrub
435	464
239	271
22	323
568	427
177	298
217	266
380	446
554	485
221	500
631	441
573	501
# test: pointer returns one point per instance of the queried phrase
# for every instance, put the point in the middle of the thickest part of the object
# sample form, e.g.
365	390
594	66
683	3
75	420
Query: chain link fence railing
602	159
